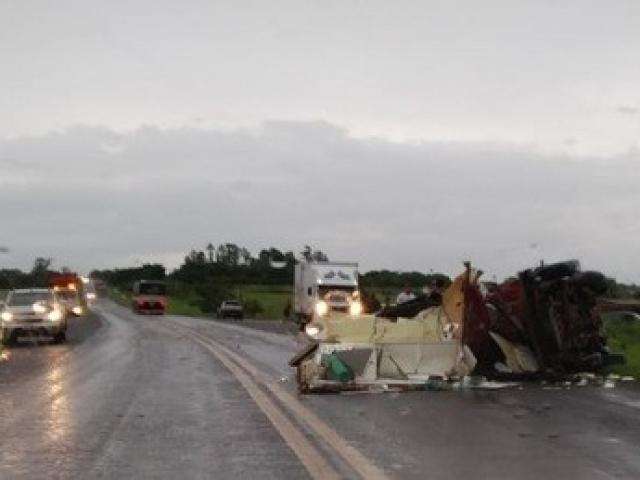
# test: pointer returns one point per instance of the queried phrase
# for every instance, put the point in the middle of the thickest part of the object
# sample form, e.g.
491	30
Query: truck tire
60	337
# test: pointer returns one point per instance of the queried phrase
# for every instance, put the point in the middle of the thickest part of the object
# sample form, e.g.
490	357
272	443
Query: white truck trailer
321	287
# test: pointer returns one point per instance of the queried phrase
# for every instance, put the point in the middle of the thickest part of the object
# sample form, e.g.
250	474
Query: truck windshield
23	299
153	289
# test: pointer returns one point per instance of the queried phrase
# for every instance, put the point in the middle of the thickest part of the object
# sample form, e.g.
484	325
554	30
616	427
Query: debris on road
542	324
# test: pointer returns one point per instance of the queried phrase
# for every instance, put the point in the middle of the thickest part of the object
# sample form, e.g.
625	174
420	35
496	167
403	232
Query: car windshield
23	299
153	289
232	303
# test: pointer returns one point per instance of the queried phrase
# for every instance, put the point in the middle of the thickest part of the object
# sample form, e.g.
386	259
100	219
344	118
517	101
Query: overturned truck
544	323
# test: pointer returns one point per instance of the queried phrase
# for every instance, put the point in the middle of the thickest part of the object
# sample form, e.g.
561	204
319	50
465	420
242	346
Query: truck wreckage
543	324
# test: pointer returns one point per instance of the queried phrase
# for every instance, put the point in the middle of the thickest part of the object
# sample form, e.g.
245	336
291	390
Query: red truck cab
149	296
69	289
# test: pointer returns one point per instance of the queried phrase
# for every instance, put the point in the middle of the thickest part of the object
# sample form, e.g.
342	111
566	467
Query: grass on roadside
117	295
623	335
184	306
272	299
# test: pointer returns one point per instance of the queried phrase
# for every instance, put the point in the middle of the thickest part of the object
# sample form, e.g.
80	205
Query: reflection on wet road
123	399
137	397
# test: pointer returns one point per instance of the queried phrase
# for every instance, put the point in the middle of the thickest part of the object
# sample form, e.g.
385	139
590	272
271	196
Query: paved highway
165	397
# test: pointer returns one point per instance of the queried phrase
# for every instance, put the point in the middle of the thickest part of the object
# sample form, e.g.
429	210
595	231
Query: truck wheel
60	337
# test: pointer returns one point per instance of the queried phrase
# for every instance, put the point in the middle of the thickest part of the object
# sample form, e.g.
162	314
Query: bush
286	311
253	308
209	295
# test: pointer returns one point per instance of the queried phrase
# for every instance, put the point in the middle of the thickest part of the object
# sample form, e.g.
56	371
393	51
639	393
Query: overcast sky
404	135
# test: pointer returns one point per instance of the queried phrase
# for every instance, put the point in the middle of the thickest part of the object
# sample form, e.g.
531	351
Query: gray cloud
524	72
628	110
90	196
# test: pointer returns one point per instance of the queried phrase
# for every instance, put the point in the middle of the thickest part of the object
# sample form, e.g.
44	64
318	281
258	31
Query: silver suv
34	310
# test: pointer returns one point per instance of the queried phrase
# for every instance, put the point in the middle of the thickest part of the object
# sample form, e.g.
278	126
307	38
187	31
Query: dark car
230	309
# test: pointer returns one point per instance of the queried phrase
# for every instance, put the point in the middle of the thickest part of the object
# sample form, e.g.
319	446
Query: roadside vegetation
623	335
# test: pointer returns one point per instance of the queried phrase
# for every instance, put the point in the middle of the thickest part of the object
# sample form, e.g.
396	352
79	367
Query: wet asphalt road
135	397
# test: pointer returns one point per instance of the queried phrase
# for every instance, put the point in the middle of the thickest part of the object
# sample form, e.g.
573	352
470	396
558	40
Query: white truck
321	287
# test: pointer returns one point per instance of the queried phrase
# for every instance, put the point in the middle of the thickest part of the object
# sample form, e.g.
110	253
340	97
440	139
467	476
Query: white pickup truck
33	310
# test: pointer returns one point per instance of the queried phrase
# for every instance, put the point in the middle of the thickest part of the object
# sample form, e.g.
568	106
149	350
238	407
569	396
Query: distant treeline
206	277
231	264
227	263
211	275
387	278
38	276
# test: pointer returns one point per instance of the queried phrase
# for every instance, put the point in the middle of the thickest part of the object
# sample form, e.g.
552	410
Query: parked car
230	309
34	310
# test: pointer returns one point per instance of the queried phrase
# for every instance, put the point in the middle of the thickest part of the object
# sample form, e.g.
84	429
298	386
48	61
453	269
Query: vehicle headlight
77	310
355	308
55	315
6	316
312	330
322	308
39	308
